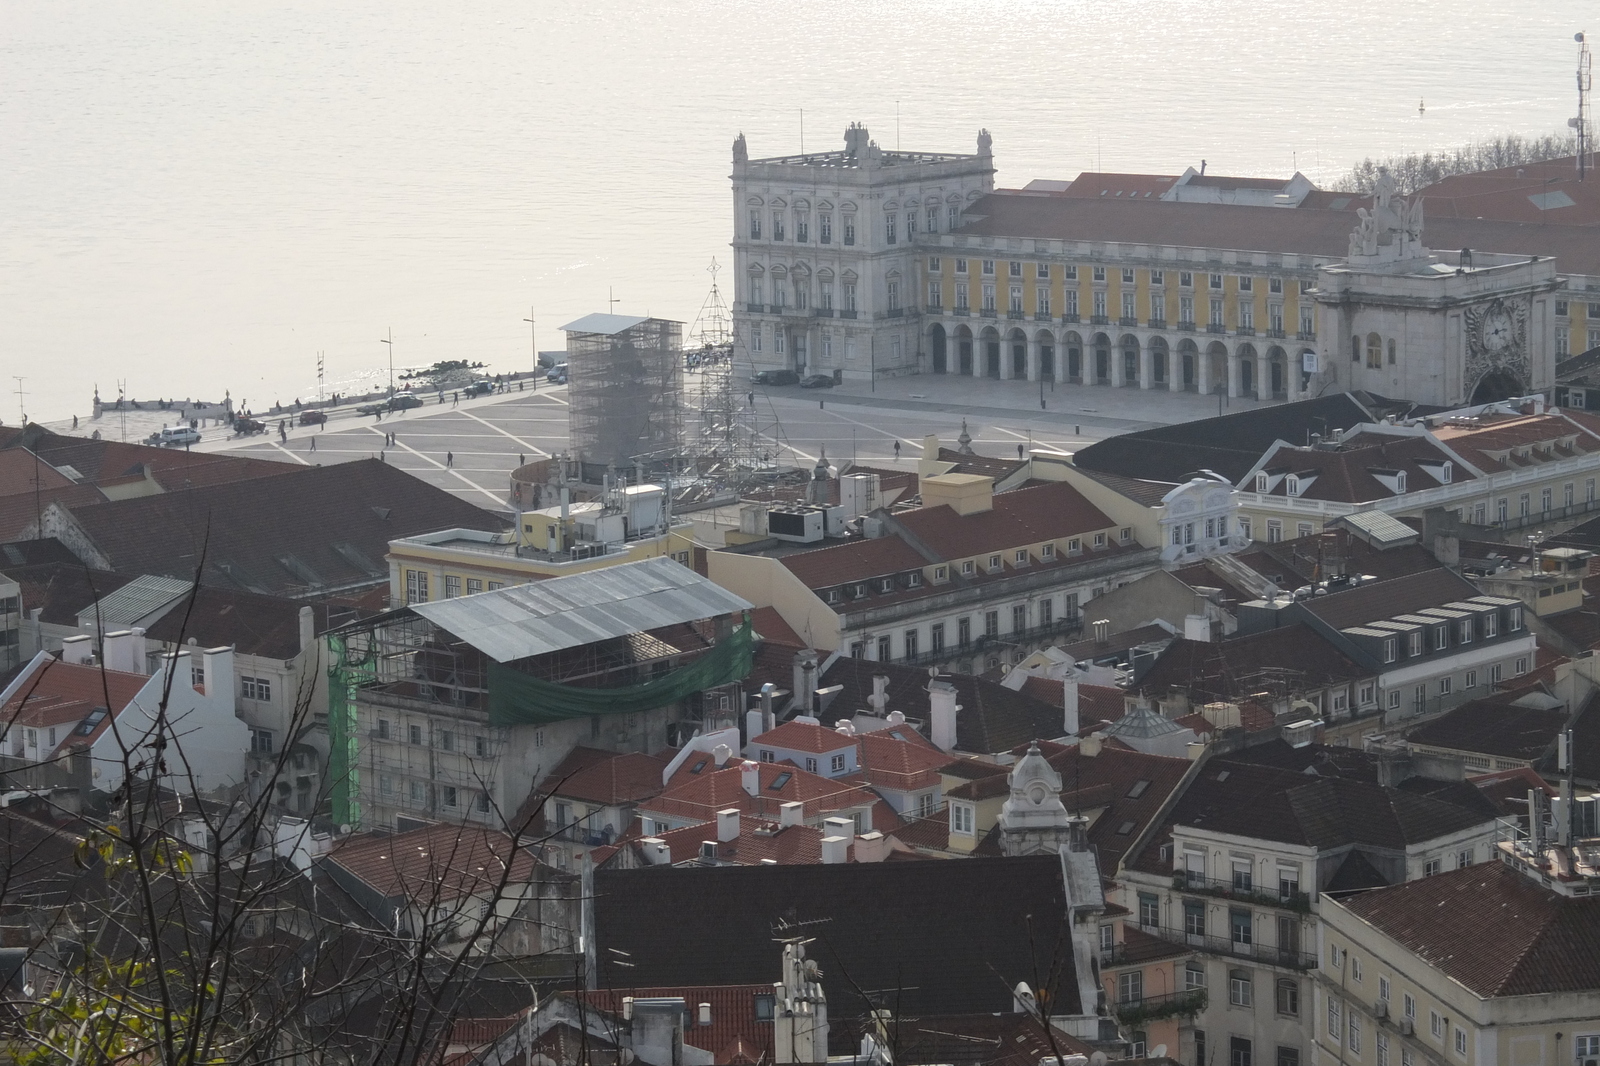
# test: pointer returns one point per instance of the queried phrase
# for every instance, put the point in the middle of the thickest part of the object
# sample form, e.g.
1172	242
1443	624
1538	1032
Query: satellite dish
1160	1052
933	671
1097	1059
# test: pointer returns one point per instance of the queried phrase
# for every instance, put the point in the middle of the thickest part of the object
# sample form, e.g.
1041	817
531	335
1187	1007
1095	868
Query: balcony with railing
823	312
1245	331
1186	325
1016	314
1287	956
989	312
1067	625
1276	334
1042	316
1216	327
1069	320
1245	891
1136	1011
1306	335
1157	323
1099	320
1127	320
848	314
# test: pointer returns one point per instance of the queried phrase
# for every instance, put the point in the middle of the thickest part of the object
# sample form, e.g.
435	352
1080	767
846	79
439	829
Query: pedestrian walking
897	451
1019	451
382	458
449	459
313	443
522	459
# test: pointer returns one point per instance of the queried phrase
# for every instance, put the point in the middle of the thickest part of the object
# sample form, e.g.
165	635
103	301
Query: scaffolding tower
625	388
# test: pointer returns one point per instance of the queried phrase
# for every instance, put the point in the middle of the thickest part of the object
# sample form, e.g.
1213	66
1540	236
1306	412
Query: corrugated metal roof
1381	527
568	612
135	601
603	323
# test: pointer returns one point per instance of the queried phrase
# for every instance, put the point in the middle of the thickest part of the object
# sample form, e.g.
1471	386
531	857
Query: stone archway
936	347
1498	384
1017	343
991	352
964	351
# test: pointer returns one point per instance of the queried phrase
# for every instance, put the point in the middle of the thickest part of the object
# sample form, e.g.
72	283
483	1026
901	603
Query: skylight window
1124	829
1138	789
701	765
779	781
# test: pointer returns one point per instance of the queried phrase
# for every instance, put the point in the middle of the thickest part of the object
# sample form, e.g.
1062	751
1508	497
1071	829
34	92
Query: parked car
405	401
817	381
174	437
776	377
478	388
557	375
313	418
246	426
372	408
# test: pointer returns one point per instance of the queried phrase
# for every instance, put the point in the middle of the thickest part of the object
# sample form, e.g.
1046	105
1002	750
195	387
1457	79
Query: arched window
1374	350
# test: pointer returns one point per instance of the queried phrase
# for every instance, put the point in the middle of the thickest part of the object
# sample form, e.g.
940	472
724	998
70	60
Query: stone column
1233	375
1005	357
1115	356
1202	373
1146	366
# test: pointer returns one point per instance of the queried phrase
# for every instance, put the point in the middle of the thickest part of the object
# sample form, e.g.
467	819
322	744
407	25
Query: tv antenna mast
1581	123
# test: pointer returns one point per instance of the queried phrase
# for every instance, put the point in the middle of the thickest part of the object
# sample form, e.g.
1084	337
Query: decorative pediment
778	201
848	275
756	270
754	201
780	271
825	274
848	207
802	205
824	205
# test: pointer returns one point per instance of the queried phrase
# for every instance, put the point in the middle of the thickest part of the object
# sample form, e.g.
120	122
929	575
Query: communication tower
724	440
1581	123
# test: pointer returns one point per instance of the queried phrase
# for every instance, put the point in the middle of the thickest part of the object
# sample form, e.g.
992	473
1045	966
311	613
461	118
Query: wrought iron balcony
962	312
1290	958
933	309
1127	320
1134	1013
755	309
895	312
847	314
1099	320
1245	331
1306	335
1216	327
1186	325
1016	315
1069	320
1068	625
1246	892
989	312
823	312
1157	323
1042	316
1276	334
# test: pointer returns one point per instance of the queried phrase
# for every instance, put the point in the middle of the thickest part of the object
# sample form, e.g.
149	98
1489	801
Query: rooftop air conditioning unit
797	525
1407	1026
1380	1009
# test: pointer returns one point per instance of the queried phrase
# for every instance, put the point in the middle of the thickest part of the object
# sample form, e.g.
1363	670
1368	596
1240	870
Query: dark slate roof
1386	599
1322	760
254	625
1492	929
993	718
60	590
308	530
1355	874
1229	445
35	553
928	936
1494	726
1230	669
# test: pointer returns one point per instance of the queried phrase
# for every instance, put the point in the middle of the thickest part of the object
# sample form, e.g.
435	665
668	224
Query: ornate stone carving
1392	230
1497	340
741	154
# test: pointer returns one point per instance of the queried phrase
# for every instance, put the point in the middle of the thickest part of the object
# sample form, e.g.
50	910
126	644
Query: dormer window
1516	620
1099	540
1400	481
967	567
1125	534
941	573
1074	545
1291	485
860	589
1021	557
886	584
914	579
994	562
1262	483
1389	650
1416	642
1441	638
835	596
1047	551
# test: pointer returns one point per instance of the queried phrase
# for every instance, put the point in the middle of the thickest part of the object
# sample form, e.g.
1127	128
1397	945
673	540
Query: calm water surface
199	196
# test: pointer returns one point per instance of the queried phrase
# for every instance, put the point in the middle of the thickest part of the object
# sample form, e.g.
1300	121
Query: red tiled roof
1017	518
733	1031
904	763
859	560
771	628
803	736
758	839
436	862
701	796
60	694
610	779
1491	928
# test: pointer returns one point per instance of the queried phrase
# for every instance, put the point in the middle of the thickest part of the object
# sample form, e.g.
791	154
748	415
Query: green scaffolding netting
517	699
344	677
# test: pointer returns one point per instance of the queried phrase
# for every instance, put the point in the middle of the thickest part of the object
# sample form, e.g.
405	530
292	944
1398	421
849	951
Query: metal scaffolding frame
626	392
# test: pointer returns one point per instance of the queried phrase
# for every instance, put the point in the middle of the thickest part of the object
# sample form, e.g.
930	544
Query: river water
198	197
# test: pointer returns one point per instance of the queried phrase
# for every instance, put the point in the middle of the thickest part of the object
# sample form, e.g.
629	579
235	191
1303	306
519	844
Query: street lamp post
390	342
533	335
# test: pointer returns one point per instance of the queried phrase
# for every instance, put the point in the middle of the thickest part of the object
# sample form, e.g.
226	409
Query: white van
177	436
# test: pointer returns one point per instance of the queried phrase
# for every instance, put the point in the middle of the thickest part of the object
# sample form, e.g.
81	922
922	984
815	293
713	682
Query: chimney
1069	706
727	825
791	813
1196	627
1090	745
843	828
219	676
872	847
116	651
658	1030
721	754
308	627
78	649
835	850
942	709
1102	630
750	777
805	681
755	722
880	694
895	718
136	645
767	691
655	851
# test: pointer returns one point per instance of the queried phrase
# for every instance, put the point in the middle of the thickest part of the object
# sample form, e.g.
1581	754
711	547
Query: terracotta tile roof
1508	790
997	469
858	560
21	472
903	763
1483	443
1260	229
1020	517
1346	475
758	840
1100	184
610	779
932	832
770	627
1492	929
803	736
733	1016
701	797
64	694
441	862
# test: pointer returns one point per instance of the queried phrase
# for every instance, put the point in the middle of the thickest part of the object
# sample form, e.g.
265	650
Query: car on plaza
478	388
175	437
313	418
776	377
817	381
405	401
557	375
244	427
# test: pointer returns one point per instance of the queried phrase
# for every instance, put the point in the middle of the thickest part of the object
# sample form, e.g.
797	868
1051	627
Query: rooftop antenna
21	407
897	125
802	131
611	301
1581	123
